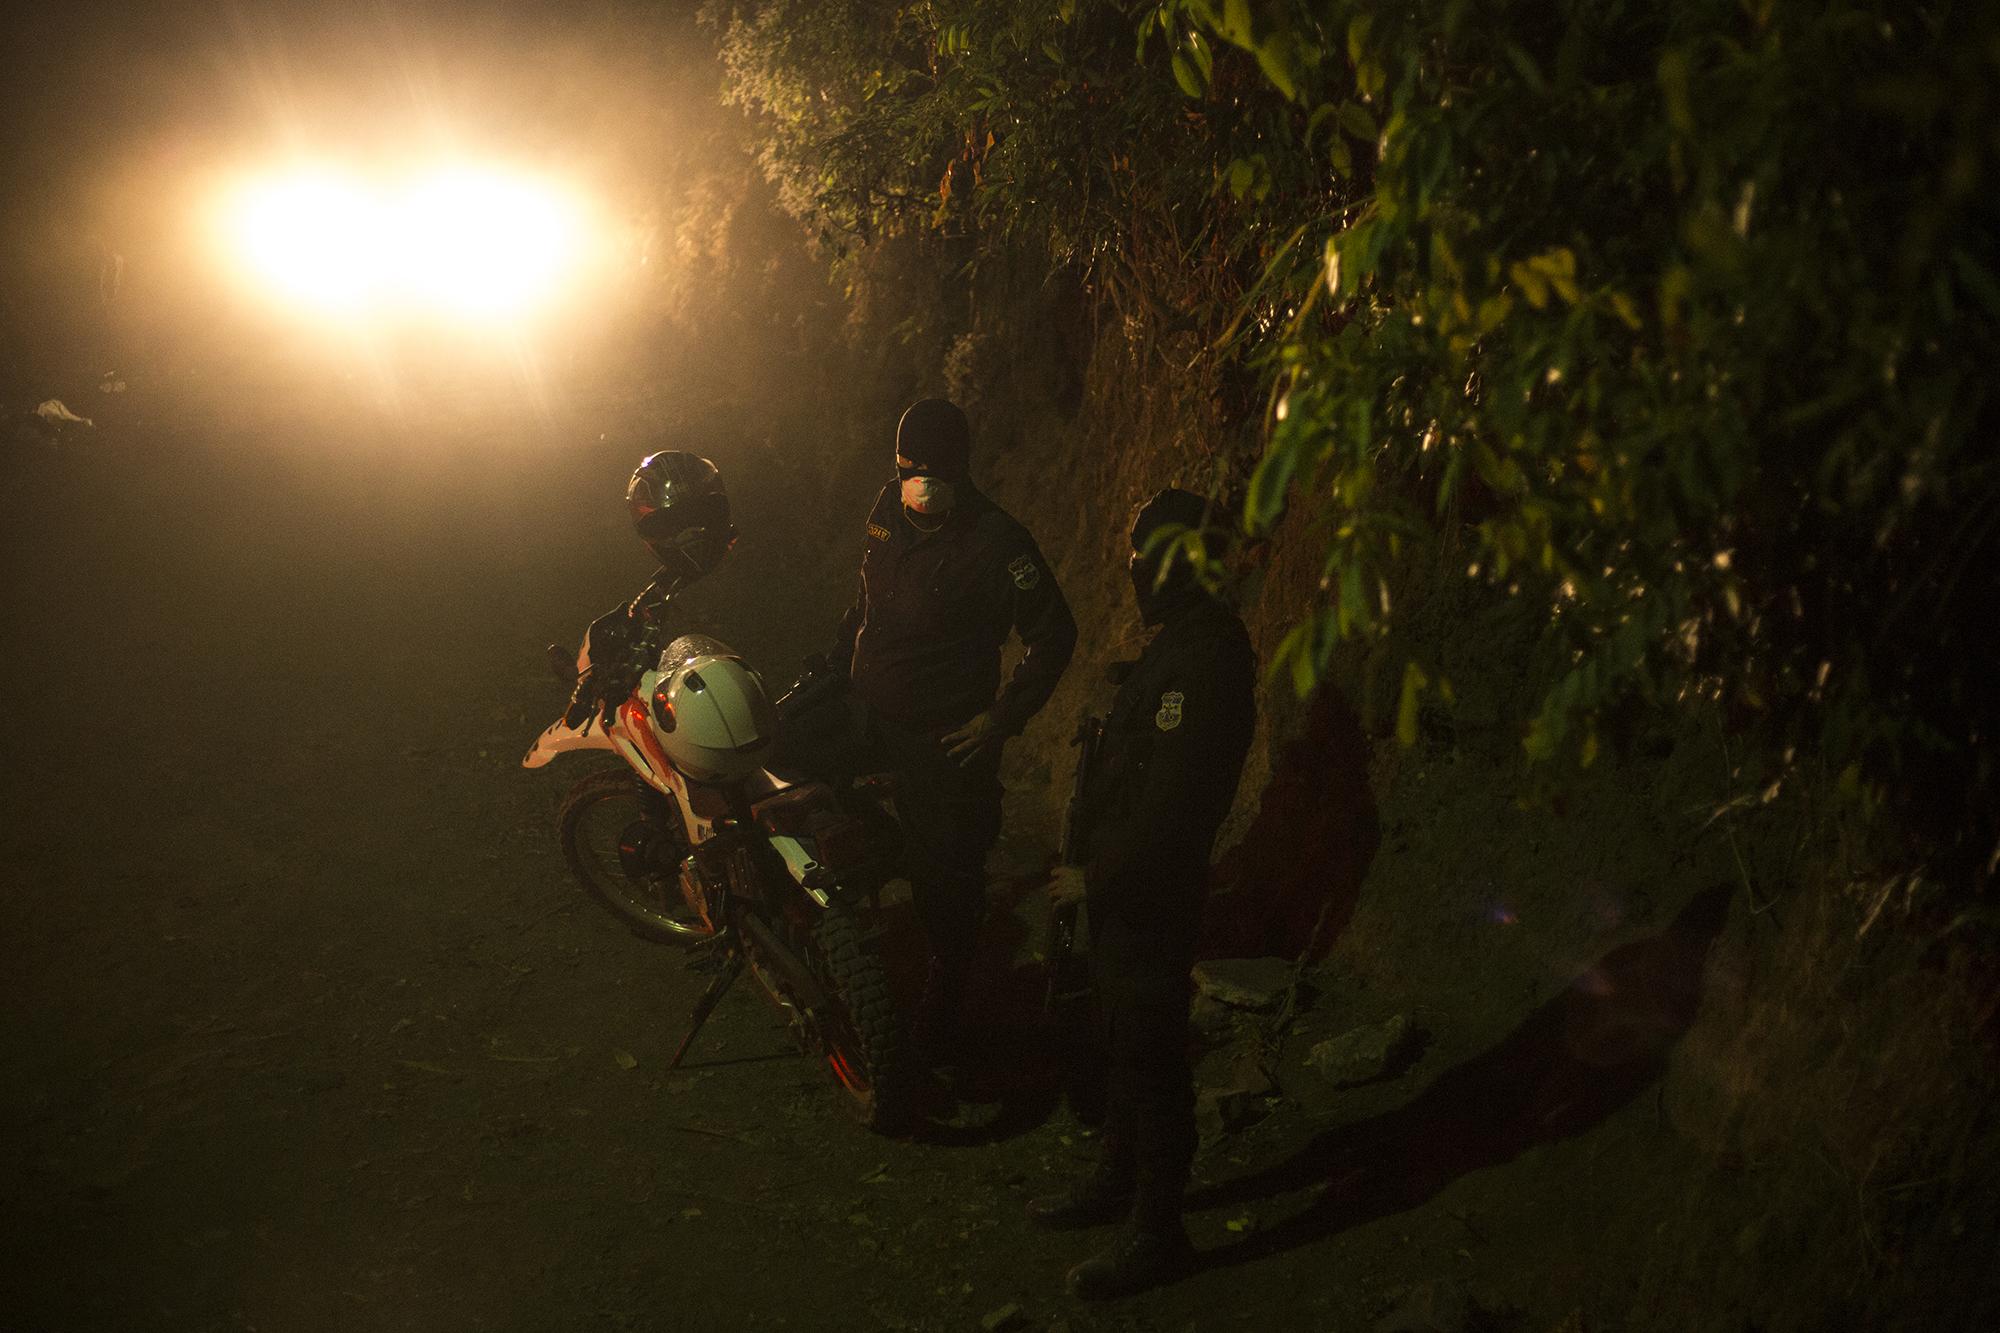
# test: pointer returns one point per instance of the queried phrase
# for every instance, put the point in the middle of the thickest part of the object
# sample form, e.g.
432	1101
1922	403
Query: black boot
935	1031
1150	1250
1104	1195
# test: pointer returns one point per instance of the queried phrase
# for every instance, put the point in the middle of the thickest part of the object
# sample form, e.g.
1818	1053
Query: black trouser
950	816
1139	990
951	819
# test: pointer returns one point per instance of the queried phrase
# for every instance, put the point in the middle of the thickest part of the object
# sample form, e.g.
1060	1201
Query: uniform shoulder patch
1169	715
1026	574
878	532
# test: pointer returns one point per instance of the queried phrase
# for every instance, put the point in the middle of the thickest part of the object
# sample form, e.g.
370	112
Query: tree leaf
1412	695
1524	65
1293	652
1353	604
1269	486
1357	38
1278	59
1534	287
1493	312
1185	76
1204	59
1322	113
1235	26
1673	78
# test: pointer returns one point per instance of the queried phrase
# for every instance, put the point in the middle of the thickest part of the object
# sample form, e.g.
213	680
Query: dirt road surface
308	1030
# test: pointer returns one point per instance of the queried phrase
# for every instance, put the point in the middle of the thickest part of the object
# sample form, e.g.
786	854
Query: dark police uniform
1173	750
923	641
935	608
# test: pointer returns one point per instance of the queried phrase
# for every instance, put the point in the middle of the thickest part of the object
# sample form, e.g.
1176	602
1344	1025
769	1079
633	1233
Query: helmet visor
700	548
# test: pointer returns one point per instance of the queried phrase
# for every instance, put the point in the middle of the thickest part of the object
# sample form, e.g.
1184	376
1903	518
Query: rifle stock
1062	926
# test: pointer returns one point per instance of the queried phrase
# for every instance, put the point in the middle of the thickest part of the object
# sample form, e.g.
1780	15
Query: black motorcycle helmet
680	510
1158	584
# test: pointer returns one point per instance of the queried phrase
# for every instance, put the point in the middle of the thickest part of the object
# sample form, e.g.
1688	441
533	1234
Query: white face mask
927	495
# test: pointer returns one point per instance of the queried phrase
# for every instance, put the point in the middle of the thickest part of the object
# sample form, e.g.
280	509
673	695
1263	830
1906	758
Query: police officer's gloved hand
1066	887
580	704
597	694
815	667
610	635
982	734
610	641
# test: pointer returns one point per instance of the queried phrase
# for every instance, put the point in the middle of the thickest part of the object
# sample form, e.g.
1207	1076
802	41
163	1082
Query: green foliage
1052	127
1671	326
1671	323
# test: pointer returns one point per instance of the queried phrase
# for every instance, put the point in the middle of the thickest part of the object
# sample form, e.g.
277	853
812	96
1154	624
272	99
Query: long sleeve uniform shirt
1173	751
934	609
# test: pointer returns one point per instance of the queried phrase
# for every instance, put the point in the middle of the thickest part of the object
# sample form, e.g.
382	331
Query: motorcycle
749	870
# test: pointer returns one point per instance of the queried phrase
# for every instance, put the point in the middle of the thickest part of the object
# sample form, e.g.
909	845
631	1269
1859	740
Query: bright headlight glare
312	237
463	241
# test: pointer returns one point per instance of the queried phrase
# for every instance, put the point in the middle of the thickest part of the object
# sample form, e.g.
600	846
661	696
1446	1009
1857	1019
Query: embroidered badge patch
1169	715
1025	574
878	532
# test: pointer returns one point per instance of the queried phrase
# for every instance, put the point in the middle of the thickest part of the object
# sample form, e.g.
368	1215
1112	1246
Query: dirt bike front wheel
625	850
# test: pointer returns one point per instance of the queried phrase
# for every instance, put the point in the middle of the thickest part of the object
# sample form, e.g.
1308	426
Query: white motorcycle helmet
710	712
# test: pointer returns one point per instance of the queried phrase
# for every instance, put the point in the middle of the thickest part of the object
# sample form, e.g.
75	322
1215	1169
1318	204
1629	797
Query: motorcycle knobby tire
865	1052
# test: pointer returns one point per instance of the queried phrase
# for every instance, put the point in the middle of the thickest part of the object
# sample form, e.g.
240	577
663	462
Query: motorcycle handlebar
816	683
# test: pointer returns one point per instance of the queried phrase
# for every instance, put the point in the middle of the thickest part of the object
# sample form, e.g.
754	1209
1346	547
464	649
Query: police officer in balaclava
1159	788
946	577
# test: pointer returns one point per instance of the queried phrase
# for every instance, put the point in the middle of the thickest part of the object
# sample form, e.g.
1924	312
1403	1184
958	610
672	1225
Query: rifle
1062	926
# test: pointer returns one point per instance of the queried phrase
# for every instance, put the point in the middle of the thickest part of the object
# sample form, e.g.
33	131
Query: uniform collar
1189	603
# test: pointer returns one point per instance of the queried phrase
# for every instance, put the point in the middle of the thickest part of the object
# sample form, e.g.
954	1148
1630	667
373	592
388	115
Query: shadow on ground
1290	885
1571	1063
1008	1078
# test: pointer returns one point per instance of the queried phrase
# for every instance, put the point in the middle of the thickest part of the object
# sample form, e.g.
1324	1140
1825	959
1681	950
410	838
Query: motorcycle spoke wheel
625	859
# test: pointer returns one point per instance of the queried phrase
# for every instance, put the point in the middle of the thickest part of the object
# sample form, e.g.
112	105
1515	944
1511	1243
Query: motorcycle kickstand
706	1004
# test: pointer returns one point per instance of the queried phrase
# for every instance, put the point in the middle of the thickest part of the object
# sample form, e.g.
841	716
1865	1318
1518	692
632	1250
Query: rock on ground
1361	1054
1246	983
1224	1110
1007	1316
1211	1020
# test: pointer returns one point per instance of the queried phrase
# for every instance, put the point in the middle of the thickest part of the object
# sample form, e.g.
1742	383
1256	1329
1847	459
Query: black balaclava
933	454
1158	597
